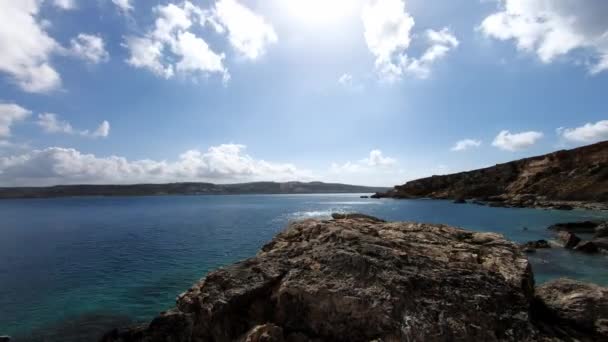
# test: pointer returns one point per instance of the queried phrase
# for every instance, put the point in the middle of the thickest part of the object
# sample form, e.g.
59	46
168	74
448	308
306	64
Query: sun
320	12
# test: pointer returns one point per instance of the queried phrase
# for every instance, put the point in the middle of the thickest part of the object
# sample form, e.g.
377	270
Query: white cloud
26	47
170	47
376	158
123	5
50	123
346	79
65	4
223	163
465	144
9	114
553	28
248	32
387	32
588	133
90	48
508	141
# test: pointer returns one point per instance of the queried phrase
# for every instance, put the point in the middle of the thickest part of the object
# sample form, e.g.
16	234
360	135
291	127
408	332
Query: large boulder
576	305
357	278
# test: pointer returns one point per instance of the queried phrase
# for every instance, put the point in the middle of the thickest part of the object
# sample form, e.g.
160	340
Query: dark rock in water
360	279
364	196
601	231
576	227
339	216
460	201
587	247
576	305
537	244
5	339
569	239
563	207
601	243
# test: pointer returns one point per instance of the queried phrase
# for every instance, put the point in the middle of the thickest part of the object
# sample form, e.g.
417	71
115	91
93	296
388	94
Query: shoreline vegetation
563	180
360	278
184	189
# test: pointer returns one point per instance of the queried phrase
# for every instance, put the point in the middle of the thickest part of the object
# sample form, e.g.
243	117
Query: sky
371	92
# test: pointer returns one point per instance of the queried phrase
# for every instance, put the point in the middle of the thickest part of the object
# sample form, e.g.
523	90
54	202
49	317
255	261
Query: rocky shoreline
564	180
359	278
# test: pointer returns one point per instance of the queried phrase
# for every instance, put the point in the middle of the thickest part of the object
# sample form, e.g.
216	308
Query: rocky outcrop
563	180
358	278
573	305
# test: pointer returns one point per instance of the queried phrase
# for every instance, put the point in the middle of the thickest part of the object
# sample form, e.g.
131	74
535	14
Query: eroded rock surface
358	278
576	304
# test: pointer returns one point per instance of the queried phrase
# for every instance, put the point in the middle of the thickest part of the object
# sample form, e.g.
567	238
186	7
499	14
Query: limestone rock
579	305
357	278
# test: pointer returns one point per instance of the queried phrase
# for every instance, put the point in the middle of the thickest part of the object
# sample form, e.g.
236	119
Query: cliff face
574	175
357	278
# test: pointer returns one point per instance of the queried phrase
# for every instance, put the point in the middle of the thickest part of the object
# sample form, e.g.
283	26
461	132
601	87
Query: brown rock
580	306
560	180
587	247
264	333
360	279
601	231
601	243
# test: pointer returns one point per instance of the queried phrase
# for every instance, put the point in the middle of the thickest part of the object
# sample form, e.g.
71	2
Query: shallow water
72	267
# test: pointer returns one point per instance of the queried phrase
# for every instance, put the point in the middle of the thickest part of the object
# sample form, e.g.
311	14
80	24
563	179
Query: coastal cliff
562	179
359	278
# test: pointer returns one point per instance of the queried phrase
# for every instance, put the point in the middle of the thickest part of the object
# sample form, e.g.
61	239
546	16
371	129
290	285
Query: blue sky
364	91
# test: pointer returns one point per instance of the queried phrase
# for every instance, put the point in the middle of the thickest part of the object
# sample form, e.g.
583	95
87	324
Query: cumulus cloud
553	28
465	144
388	34
50	123
346	79
508	141
223	163
26	47
9	114
588	133
375	160
124	5
170	46
90	48
65	4
248	32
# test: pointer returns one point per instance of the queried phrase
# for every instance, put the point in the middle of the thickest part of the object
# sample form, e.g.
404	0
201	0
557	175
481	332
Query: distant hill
184	189
579	174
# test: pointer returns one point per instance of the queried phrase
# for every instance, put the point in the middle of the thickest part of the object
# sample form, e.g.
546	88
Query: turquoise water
72	267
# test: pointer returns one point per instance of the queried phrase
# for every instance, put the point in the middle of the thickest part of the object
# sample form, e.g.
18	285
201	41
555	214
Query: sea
72	268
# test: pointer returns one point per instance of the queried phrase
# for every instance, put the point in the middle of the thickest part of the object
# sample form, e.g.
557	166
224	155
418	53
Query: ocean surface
72	267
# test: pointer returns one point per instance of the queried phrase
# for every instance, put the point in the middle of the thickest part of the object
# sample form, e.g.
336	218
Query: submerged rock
5	339
587	247
358	278
576	227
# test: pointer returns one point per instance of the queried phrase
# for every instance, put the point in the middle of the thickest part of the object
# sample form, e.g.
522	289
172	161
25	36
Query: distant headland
184	189
565	179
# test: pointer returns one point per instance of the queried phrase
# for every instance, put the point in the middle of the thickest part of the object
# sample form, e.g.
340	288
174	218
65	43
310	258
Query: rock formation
358	278
560	180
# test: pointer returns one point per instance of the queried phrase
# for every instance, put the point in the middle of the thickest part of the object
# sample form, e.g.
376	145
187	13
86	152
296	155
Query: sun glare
320	12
